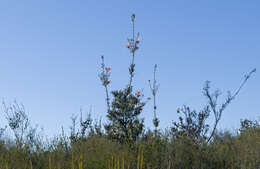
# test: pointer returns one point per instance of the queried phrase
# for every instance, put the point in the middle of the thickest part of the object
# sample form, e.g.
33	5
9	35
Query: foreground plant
124	124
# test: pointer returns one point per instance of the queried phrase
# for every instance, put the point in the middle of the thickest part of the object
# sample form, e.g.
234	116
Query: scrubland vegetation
121	142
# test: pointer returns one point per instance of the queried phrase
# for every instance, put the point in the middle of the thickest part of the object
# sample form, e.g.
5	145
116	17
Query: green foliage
124	124
191	125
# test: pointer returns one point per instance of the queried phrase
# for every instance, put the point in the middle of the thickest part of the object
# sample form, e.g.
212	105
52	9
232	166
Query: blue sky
50	55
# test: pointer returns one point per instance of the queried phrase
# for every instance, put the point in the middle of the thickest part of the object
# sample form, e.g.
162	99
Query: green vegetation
95	150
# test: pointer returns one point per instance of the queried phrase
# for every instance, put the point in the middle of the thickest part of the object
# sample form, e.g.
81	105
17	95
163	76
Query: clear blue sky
50	55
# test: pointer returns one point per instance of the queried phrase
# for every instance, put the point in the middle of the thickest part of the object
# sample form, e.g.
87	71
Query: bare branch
213	98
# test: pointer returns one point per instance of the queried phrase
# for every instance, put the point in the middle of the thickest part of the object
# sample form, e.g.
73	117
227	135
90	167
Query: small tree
124	124
19	123
193	125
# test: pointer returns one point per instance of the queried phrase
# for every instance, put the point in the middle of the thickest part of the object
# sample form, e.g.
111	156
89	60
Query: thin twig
154	88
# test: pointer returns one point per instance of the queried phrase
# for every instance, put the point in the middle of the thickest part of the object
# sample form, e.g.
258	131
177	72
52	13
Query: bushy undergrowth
226	150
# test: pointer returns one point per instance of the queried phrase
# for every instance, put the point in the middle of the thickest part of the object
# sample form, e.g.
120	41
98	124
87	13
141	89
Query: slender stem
154	88
131	70
133	48
133	28
108	104
154	92
243	83
105	77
